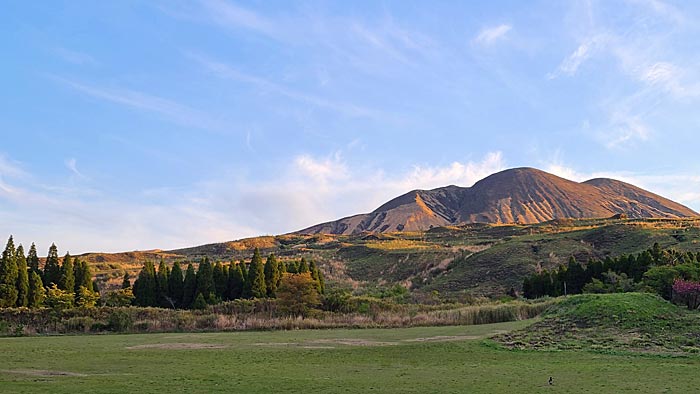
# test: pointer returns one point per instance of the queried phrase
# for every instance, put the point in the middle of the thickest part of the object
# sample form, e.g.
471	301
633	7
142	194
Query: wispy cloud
490	35
72	165
167	109
224	71
570	65
233	16
75	57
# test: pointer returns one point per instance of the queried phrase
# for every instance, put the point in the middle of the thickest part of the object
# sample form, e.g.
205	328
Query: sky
163	124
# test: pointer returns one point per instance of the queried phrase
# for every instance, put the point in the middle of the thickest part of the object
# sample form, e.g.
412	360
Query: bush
119	321
79	323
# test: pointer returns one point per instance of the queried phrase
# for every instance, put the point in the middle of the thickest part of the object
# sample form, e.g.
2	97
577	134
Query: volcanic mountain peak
519	195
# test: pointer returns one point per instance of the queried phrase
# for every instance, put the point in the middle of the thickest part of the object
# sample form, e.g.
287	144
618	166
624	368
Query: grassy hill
478	259
612	322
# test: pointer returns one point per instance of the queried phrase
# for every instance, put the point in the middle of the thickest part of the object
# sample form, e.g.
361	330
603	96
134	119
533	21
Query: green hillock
611	322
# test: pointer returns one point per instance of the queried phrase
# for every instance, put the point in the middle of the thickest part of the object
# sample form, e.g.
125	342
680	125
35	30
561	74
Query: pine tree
8	276
22	278
175	284
272	274
199	302
303	267
33	260
189	291
145	286
126	280
86	277
235	282
317	276
205	281
37	293
67	281
52	271
163	287
220	281
255	283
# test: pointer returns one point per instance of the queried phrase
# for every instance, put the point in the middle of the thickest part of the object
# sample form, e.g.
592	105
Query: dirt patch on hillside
353	342
44	373
178	346
443	338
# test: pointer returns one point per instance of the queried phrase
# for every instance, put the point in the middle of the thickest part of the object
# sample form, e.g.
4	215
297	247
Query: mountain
519	195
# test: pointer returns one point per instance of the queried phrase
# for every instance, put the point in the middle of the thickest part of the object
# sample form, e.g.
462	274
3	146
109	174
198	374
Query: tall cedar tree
175	285
37	293
78	276
52	271
235	282
255	283
189	291
205	281
272	274
86	277
163	289
33	259
126	280
67	281
220	281
22	278
8	275
303	267
145	286
317	276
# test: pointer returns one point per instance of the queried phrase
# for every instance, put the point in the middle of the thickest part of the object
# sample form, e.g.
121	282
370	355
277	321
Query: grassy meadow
453	359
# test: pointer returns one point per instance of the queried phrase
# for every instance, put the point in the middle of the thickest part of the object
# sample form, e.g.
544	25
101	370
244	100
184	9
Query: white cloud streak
168	109
490	35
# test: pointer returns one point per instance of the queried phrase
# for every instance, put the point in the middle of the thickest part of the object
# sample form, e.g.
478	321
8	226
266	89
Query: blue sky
146	124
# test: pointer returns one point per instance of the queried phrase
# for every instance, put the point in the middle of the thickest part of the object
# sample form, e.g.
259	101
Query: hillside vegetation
457	262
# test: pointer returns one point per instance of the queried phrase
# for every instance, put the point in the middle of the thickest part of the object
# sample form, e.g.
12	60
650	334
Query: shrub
119	321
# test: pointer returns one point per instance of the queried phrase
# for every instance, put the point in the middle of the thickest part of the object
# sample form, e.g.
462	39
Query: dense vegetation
654	270
295	282
61	284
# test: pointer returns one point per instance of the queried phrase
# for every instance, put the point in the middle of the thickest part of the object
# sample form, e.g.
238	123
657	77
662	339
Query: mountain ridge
521	195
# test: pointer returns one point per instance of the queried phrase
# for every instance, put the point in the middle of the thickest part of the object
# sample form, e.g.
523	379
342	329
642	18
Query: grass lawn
412	360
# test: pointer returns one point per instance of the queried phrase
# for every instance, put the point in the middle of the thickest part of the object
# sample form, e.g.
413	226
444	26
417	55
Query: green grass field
411	360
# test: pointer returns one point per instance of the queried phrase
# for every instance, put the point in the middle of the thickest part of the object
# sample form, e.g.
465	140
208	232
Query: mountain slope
520	195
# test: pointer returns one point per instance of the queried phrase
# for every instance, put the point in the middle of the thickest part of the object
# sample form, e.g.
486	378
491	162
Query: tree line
654	269
61	283
213	283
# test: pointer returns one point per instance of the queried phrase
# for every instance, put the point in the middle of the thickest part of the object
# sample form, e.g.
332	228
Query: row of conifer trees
24	284
213	283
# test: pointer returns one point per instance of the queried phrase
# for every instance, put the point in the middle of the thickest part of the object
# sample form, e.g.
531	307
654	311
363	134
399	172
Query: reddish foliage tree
687	292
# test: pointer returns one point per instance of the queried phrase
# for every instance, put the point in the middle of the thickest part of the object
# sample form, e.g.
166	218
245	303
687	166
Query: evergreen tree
33	260
244	270
175	284
67	281
22	278
205	281
86	277
235	282
272	274
37	293
255	283
126	280
8	276
220	281
163	289
145	286
317	276
303	266
199	302
189	291
52	270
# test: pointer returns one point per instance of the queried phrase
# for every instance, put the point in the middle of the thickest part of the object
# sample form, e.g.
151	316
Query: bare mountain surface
520	195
